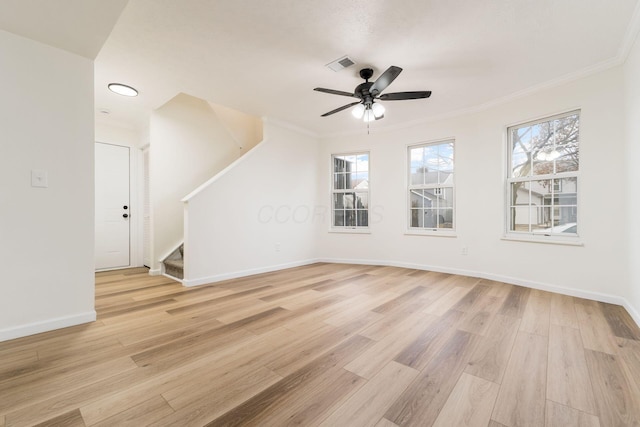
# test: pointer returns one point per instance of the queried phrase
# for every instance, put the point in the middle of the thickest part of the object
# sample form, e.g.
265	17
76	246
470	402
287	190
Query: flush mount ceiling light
121	89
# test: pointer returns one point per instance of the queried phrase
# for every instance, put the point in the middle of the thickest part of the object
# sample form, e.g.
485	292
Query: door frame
135	202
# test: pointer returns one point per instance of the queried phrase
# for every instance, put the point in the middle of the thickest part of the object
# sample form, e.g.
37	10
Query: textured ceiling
78	26
265	57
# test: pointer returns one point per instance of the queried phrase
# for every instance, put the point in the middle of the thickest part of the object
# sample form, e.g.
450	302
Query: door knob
125	215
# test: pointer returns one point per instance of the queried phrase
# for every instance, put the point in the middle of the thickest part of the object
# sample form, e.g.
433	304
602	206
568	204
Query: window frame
430	231
554	177
333	191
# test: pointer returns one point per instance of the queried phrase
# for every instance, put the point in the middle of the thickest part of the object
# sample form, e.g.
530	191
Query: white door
113	211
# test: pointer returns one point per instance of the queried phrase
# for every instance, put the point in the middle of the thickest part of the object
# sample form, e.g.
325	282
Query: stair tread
174	262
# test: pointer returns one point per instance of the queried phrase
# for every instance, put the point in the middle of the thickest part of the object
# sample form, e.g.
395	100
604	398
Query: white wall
632	105
46	234
188	145
598	267
258	215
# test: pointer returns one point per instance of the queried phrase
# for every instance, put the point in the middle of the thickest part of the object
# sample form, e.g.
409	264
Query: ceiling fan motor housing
362	92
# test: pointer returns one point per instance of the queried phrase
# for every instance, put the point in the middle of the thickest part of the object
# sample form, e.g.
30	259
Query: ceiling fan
368	92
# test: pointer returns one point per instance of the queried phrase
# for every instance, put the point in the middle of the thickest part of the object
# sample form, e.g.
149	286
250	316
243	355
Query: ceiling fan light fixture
378	110
122	89
368	115
358	111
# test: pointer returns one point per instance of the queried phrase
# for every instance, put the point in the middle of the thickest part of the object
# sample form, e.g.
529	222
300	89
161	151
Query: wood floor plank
516	302
467	302
312	402
563	311
38	387
568	380
16	360
489	361
496	289
371	361
447	301
629	351
367	405
594	329
521	400
147	412
70	419
253	410
385	423
621	324
392	322
304	354
224	394
401	301
558	415
535	319
617	398
424	348
469	404
423	400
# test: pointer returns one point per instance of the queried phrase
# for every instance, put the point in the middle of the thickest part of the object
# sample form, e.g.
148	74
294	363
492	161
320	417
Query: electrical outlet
465	250
277	247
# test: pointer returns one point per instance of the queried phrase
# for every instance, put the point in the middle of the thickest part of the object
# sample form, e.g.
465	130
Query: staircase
174	264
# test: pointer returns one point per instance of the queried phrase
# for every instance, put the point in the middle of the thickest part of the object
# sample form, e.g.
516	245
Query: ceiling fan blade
335	92
385	80
337	110
399	96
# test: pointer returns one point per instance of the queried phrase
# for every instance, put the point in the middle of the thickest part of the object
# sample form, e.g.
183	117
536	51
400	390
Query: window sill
430	233
544	239
350	230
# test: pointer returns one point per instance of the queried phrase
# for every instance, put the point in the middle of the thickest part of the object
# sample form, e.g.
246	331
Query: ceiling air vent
341	63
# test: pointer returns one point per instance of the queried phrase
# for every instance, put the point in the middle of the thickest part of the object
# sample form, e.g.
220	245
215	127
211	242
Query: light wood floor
329	345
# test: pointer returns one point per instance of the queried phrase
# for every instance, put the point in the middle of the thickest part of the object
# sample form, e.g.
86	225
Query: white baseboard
46	325
580	293
244	273
157	272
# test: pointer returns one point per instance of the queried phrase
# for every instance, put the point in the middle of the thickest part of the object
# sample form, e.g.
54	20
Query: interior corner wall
257	216
632	106
246	130
188	146
46	234
598	269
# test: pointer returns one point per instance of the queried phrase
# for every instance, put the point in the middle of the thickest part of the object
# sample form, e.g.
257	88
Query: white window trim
346	229
417	231
530	237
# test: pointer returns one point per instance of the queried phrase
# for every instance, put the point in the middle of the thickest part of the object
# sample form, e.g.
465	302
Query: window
431	186
350	198
542	182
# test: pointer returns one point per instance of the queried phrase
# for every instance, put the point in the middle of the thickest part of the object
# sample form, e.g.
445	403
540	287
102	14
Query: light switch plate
39	178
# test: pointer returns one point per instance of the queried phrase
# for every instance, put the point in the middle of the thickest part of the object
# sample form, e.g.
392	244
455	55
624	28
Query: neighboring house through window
431	186
542	181
350	190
